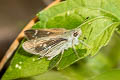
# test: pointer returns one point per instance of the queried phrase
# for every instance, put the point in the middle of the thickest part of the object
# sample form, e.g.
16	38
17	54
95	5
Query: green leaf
24	64
75	17
111	6
88	67
51	75
97	31
109	75
55	10
69	5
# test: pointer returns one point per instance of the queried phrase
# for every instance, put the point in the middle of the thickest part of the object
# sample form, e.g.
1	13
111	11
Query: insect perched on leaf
51	42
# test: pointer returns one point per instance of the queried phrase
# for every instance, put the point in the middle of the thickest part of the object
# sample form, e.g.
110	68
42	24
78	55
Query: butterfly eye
75	34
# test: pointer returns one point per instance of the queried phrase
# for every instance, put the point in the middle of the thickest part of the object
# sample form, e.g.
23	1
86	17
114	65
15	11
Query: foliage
97	21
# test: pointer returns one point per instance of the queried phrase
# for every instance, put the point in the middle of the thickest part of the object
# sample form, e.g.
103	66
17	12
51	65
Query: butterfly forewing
39	33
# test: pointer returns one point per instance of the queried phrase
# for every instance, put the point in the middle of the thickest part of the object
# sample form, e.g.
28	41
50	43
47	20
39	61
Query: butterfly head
77	32
72	34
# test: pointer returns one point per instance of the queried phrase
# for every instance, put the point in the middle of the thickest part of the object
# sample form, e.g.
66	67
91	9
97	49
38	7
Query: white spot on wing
44	45
36	31
34	43
33	35
40	44
48	32
49	47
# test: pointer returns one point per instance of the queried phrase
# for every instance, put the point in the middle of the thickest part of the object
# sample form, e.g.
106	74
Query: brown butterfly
51	42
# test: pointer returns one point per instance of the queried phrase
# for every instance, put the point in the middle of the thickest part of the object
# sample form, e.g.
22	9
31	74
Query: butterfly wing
38	33
57	49
43	47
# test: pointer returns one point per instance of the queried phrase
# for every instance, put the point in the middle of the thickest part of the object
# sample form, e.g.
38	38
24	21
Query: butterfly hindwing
42	46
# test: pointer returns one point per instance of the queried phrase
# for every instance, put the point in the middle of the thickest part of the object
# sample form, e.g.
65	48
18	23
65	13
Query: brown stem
15	44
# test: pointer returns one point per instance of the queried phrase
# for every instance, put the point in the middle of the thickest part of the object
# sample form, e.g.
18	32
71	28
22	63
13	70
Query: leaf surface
97	30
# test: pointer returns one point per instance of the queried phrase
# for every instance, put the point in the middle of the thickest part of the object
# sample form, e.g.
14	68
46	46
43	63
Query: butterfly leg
60	58
73	47
75	51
